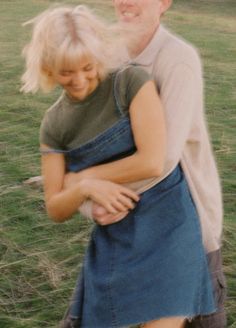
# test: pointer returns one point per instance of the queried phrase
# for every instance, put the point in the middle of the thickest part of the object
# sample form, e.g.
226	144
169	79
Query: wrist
86	174
84	187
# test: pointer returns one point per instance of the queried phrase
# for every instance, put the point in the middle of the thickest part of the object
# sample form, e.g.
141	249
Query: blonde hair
61	36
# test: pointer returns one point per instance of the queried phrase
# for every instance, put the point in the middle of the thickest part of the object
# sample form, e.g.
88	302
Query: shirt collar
147	56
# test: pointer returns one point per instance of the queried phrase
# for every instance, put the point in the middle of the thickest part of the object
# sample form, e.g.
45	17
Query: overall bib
151	264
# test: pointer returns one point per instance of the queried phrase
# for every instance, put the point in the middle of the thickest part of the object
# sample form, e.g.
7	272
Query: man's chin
129	19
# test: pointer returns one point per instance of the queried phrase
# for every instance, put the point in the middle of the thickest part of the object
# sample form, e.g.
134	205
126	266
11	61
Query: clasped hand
111	201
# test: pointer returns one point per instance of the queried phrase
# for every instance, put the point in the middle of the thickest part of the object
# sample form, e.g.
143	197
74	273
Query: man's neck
143	40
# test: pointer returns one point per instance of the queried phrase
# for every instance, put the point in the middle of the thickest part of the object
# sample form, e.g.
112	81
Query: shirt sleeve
48	132
181	92
131	80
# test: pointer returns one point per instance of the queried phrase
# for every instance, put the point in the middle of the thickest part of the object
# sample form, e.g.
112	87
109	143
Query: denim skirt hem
144	319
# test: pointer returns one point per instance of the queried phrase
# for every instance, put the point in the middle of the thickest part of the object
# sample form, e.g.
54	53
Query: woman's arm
62	203
147	120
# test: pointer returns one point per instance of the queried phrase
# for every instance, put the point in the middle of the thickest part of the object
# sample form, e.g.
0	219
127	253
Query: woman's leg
175	322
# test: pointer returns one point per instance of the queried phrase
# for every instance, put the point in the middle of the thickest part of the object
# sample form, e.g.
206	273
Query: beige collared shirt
176	68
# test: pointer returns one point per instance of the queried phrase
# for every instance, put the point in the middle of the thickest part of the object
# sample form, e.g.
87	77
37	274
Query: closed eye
88	68
65	73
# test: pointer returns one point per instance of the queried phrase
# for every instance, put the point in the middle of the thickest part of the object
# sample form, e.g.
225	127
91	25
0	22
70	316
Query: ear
165	5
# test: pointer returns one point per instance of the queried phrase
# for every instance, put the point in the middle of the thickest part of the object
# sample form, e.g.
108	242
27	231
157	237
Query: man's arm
147	121
62	203
181	92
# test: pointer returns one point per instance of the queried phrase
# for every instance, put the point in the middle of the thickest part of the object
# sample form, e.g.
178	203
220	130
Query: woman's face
79	81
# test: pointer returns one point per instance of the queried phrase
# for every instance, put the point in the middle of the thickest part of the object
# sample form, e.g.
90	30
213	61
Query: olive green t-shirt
68	124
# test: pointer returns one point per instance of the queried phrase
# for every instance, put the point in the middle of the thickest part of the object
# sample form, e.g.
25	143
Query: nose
78	79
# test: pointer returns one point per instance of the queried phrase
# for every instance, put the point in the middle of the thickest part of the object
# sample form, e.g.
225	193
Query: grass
39	260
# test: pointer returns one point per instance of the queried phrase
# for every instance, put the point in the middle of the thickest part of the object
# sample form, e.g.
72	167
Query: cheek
63	81
60	79
152	14
92	74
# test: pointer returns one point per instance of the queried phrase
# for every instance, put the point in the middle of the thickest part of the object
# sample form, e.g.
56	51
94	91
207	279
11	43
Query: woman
149	267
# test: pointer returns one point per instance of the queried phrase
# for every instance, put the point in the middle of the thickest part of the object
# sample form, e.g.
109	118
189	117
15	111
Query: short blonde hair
61	36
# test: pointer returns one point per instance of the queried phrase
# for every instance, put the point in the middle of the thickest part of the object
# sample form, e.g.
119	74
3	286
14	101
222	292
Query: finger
127	202
98	211
110	208
106	219
106	202
130	193
119	206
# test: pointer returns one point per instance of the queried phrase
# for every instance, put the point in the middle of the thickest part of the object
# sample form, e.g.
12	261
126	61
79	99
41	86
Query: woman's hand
113	197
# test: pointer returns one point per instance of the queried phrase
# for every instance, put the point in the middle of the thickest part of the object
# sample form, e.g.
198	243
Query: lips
77	89
128	15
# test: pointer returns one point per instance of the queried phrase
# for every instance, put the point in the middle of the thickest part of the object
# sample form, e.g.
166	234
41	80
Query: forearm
64	204
148	127
113	197
149	132
132	168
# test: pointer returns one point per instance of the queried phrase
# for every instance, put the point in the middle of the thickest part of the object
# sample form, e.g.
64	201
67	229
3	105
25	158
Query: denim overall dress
149	265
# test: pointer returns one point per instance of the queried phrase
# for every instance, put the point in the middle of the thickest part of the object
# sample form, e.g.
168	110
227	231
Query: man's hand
111	201
103	217
113	197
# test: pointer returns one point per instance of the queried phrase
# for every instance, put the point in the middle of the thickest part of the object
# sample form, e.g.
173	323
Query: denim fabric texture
217	319
151	264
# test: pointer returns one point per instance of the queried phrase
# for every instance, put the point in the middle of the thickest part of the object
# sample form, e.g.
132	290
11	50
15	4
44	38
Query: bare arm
62	203
148	128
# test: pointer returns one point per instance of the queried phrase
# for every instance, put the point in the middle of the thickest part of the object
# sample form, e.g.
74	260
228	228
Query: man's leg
217	319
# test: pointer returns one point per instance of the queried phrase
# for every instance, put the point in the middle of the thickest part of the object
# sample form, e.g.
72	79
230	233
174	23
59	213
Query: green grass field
39	260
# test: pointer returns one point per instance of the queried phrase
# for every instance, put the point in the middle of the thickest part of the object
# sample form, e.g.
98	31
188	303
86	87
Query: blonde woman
147	267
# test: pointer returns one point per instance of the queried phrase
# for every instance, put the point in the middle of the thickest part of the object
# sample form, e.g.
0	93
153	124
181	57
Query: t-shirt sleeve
130	81
48	132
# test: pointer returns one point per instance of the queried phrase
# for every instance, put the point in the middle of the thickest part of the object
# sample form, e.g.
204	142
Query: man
176	69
